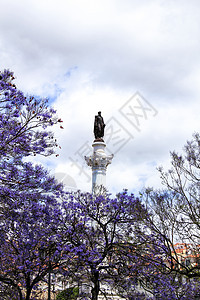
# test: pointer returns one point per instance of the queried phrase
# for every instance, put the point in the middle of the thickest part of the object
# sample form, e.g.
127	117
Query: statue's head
99	112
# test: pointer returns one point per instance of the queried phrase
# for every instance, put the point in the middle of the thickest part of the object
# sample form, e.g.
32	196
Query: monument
99	161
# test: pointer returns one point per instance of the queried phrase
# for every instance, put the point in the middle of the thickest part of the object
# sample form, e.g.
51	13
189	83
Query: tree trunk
28	287
96	287
49	285
20	294
28	294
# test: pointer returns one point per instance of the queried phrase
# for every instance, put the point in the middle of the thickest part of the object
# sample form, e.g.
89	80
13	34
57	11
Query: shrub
68	294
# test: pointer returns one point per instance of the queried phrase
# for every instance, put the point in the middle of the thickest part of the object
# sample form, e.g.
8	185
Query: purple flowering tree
27	226
24	121
151	272
173	218
30	243
103	232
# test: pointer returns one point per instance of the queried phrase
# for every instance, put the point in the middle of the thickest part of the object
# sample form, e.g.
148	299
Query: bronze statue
99	127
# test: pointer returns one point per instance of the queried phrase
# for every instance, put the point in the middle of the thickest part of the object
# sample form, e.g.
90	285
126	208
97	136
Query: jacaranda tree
24	121
28	195
121	249
173	217
103	230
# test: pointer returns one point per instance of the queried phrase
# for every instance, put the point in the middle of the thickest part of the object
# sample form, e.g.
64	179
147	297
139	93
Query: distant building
186	255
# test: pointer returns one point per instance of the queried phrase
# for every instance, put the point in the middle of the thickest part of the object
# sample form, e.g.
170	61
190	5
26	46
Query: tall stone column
98	161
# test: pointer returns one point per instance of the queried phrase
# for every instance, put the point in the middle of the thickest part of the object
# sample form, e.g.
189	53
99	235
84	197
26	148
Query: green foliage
68	294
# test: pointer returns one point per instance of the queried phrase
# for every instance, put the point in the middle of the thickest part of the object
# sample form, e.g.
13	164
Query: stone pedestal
98	161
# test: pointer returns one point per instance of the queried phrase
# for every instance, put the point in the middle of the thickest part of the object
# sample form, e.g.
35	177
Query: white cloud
94	55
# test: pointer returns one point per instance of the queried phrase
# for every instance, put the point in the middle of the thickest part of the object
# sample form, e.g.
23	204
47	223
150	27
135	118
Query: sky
136	61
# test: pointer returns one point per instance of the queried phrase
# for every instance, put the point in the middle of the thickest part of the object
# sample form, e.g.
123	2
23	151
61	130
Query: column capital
98	161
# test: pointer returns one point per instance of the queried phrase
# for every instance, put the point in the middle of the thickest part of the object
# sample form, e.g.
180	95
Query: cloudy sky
138	61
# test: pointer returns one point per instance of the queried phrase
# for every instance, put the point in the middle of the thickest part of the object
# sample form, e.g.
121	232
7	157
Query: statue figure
99	126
